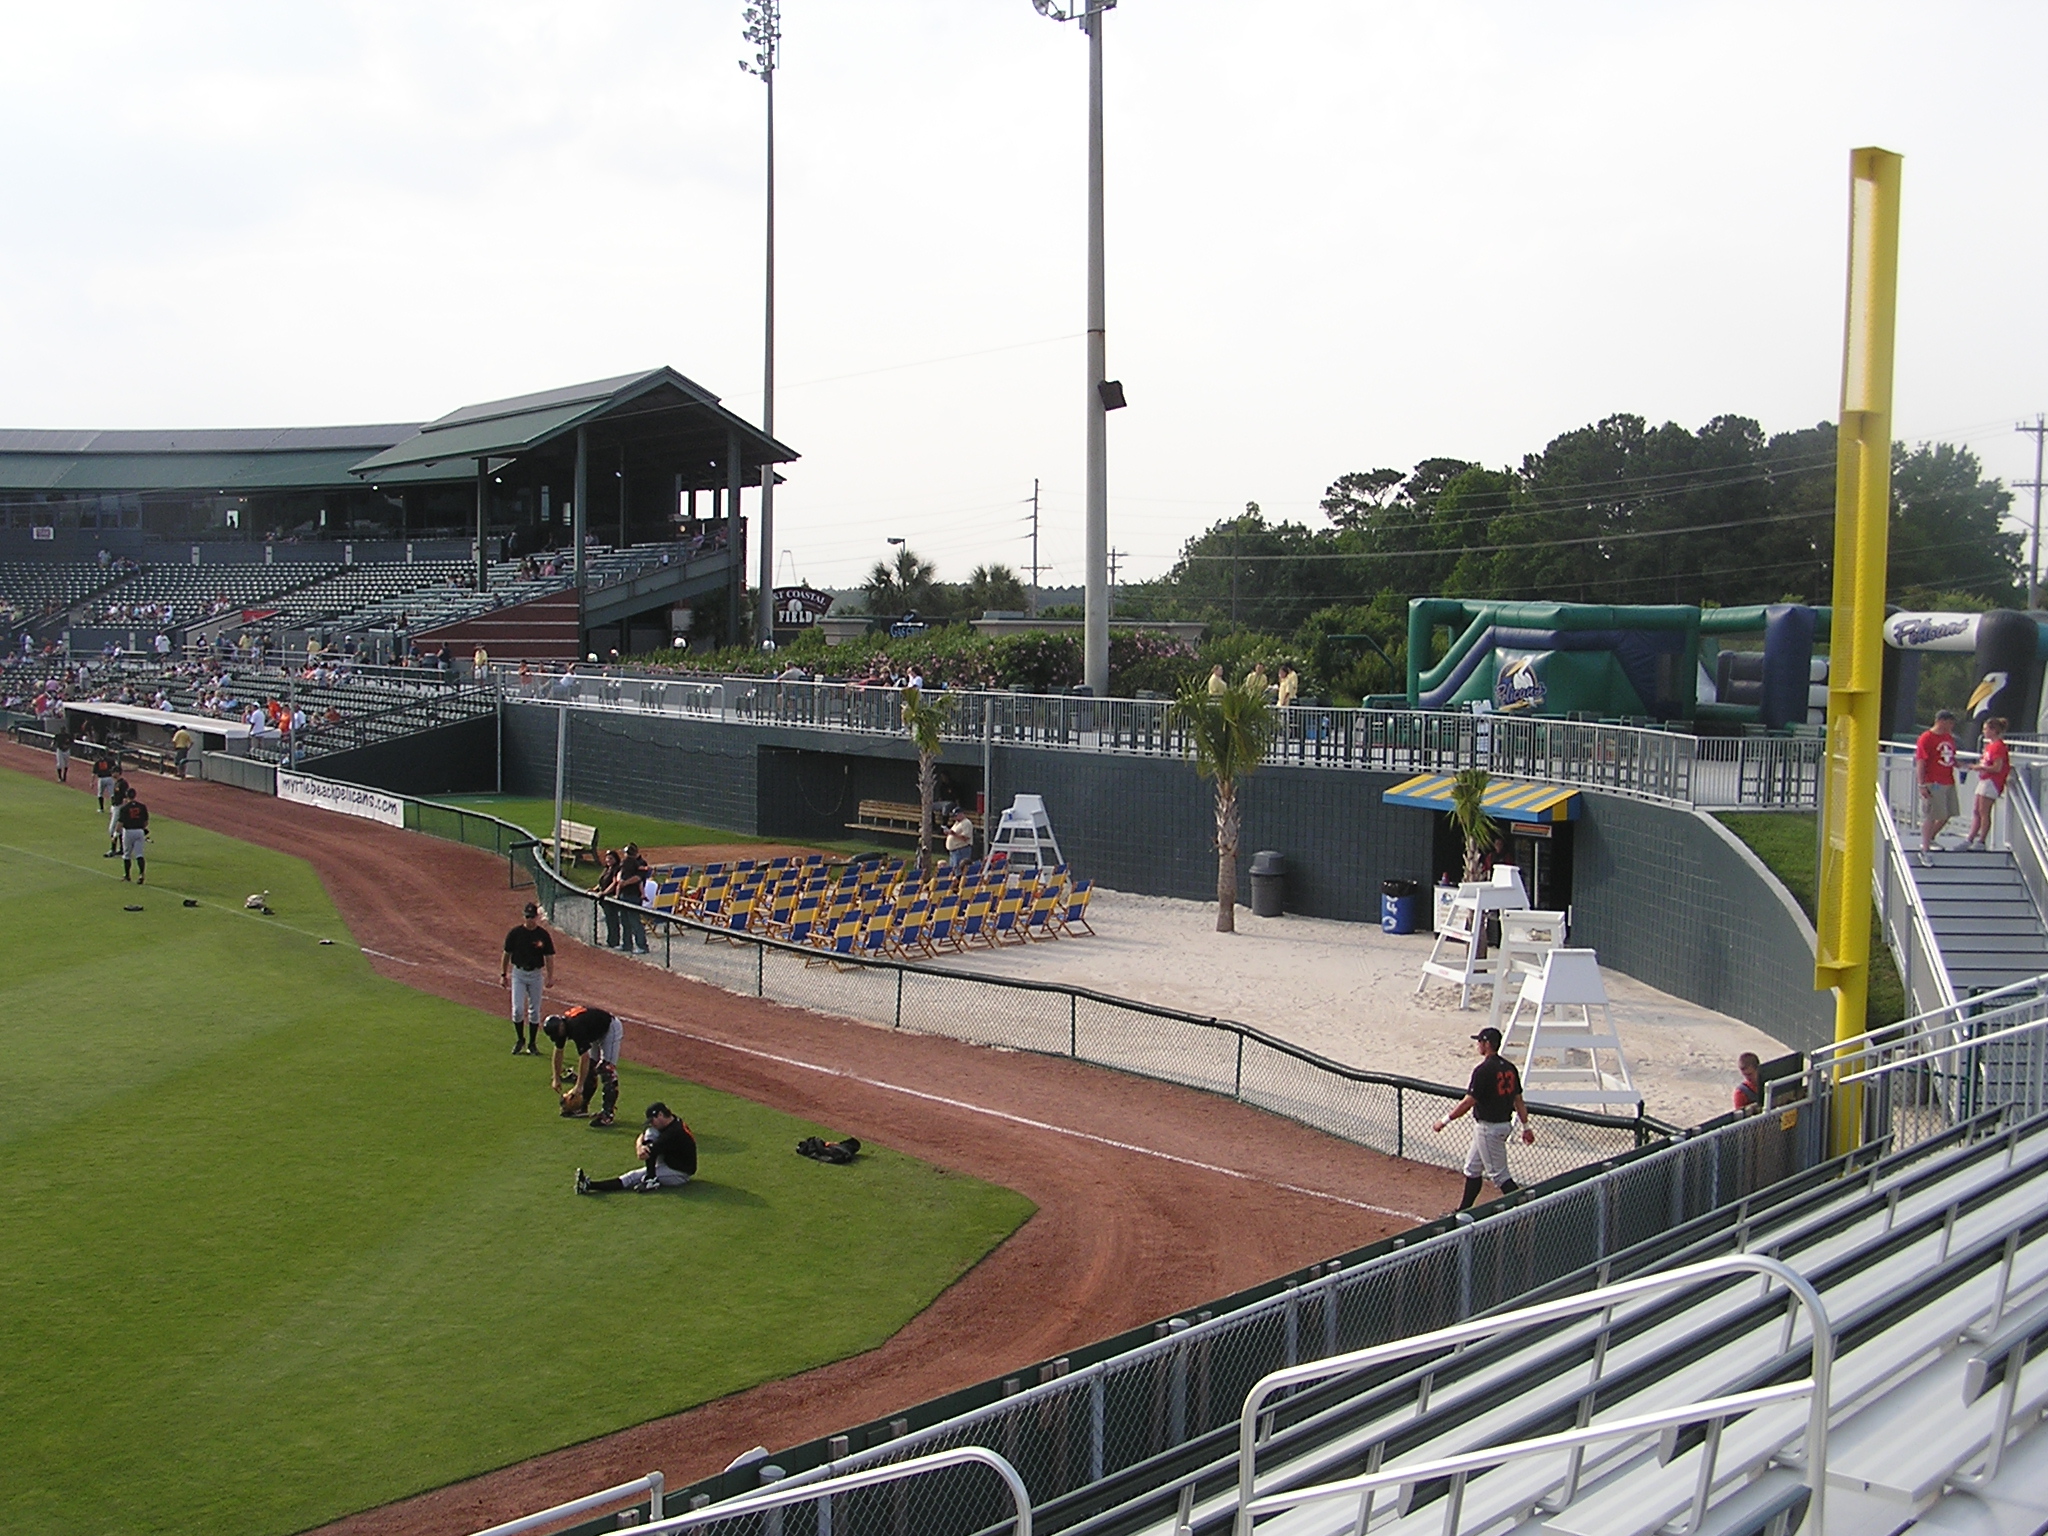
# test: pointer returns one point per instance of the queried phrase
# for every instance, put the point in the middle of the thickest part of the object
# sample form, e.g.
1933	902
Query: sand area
1347	991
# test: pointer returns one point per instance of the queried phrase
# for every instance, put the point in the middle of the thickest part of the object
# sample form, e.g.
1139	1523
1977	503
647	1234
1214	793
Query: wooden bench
579	842
893	816
901	818
162	759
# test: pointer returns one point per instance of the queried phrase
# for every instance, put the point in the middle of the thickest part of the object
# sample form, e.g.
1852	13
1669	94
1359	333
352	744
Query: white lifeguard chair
1563	1063
1466	927
1526	938
1025	830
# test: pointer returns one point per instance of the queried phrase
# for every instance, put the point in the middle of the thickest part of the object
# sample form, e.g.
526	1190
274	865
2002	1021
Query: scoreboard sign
800	607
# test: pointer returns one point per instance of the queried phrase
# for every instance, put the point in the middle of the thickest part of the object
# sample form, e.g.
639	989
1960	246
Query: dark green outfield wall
1674	899
1667	896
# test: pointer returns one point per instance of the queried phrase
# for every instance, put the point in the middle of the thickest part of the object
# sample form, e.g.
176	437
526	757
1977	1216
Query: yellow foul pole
1856	660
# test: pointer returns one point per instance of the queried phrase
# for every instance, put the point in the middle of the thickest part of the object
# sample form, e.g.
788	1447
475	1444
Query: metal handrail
1910	933
652	1485
2026	837
1815	1389
1980	1009
811	1493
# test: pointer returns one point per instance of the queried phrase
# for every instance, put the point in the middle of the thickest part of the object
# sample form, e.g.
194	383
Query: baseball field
286	1239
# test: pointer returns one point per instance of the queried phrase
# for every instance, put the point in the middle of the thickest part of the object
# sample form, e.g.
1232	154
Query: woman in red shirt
1994	768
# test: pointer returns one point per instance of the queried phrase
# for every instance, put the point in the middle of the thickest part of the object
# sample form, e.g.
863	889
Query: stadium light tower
764	31
1102	395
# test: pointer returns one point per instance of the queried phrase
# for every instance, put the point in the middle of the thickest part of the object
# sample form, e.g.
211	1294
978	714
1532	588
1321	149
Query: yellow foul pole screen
1856	646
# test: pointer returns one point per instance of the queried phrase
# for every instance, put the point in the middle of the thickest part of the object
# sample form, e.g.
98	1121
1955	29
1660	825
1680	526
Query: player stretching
597	1036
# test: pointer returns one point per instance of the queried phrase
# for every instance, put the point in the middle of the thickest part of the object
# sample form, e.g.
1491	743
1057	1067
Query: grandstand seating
190	590
1918	1261
35	587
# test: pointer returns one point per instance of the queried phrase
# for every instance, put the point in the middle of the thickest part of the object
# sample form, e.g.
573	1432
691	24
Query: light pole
764	31
1102	396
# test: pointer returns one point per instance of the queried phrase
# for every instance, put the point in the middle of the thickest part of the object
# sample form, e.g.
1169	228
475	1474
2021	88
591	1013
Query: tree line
1615	512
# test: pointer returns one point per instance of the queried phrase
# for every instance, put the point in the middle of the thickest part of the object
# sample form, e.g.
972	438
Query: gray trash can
1269	883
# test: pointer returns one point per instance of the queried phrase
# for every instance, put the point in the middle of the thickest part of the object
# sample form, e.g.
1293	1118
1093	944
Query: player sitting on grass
666	1148
597	1036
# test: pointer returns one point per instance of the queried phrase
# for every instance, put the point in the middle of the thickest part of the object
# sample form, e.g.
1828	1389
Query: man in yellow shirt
1290	686
181	745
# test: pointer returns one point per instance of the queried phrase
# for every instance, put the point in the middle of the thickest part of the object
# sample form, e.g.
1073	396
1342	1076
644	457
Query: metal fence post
899	997
761	978
1237	1088
1400	1118
1097	1412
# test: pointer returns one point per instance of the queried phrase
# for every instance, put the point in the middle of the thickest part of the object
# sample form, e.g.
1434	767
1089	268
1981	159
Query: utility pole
2040	432
1115	556
1095	633
1034	546
764	31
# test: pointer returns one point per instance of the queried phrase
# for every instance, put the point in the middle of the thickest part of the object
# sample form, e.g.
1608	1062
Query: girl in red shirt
1994	768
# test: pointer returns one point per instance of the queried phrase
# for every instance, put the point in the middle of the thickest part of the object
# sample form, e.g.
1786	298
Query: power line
1457	550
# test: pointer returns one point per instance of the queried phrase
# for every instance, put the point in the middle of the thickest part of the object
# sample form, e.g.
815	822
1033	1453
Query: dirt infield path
1151	1198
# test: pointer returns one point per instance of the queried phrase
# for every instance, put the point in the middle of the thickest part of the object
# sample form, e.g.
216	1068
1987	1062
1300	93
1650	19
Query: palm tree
897	587
1227	734
1468	815
994	587
926	720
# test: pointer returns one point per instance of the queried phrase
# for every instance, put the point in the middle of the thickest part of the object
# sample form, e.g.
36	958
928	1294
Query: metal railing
1901	910
1939	1069
1177	1397
1714	1412
1383	1111
1668	767
854	1501
648	1489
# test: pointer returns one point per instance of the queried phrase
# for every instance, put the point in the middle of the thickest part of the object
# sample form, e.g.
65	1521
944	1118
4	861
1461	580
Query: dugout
808	796
1535	821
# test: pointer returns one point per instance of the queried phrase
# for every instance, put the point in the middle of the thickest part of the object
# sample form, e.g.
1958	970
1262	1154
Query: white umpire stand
1455	956
1526	939
1026	831
1572	1060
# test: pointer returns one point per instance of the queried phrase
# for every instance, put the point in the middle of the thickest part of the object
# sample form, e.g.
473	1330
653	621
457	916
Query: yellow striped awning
1505	799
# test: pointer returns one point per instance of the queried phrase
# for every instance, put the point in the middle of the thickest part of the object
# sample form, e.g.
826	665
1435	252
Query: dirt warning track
1151	1199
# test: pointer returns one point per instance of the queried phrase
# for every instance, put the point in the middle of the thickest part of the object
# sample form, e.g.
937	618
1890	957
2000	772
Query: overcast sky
1340	235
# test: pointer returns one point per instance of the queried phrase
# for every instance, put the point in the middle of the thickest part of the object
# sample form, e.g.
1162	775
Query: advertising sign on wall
348	799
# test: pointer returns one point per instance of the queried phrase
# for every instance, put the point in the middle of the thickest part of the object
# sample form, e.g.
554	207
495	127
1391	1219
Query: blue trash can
1397	906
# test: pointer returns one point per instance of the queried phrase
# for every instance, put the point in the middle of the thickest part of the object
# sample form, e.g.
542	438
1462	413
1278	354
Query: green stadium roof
658	407
660	403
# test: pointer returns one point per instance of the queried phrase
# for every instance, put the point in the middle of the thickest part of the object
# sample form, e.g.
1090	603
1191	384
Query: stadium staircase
1962	923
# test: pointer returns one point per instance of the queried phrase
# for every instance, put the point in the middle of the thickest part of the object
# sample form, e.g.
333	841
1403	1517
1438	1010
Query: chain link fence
1086	1438
1379	1110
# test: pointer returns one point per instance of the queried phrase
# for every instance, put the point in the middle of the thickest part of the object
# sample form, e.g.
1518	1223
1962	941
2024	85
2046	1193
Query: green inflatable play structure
1727	666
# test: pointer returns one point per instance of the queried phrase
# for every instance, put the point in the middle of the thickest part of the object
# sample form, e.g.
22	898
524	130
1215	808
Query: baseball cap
1490	1035
1944	714
659	1108
532	910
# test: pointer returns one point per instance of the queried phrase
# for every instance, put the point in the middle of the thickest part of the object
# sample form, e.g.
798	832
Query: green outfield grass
1788	843
284	1240
617	828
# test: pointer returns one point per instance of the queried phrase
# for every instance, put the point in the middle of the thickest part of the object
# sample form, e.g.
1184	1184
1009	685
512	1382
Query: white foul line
1036	1125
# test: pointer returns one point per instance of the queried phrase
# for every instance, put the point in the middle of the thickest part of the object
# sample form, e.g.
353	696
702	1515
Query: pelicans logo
1518	688
1988	688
